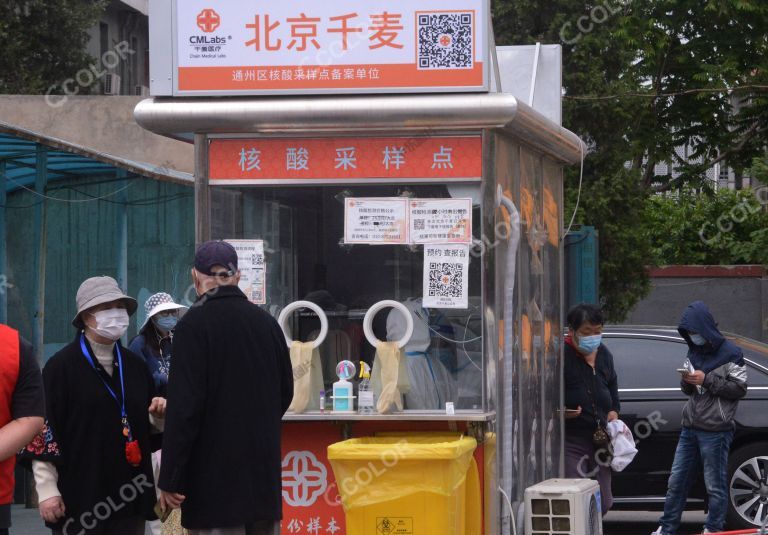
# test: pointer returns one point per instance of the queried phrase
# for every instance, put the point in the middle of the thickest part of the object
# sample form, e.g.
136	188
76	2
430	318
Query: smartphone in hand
683	371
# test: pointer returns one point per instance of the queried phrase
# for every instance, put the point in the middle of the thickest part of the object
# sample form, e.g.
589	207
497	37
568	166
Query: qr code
418	224
445	279
445	40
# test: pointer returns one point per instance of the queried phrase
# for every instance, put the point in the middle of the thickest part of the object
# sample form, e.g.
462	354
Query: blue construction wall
81	236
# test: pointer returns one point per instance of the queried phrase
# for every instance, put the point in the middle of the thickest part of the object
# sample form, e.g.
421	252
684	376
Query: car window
646	363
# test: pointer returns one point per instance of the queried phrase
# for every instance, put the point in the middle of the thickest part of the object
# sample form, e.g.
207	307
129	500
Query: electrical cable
578	195
636	94
511	510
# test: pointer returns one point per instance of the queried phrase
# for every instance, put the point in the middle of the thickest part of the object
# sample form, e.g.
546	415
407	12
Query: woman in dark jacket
591	399
155	336
92	462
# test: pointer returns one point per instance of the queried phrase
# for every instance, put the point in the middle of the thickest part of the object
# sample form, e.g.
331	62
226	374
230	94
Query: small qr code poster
446	274
445	40
253	274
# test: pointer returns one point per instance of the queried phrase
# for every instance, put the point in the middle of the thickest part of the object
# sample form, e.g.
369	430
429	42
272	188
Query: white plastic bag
623	444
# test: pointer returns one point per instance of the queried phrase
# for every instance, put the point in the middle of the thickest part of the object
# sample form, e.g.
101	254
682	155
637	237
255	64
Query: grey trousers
582	460
263	527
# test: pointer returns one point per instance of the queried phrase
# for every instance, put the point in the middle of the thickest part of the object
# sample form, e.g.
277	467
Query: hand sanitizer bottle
365	403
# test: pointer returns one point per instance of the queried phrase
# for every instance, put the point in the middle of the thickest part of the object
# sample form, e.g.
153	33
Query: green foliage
726	227
615	205
759	170
44	42
639	83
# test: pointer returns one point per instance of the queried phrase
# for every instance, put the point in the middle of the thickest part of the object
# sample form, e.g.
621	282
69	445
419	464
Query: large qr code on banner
445	279
445	40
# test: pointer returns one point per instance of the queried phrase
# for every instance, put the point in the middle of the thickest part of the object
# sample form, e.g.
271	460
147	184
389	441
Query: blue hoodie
717	351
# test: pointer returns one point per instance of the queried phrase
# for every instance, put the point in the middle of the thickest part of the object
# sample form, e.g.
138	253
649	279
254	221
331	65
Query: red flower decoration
133	452
37	446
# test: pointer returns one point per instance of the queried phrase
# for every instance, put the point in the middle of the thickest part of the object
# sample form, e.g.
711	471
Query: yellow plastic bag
416	484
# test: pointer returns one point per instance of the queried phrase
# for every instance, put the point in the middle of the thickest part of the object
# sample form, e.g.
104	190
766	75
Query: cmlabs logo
208	20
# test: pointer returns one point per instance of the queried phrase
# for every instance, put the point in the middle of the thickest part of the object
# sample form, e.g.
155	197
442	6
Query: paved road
28	522
641	523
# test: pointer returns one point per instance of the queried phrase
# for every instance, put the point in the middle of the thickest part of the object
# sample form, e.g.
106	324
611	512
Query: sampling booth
433	221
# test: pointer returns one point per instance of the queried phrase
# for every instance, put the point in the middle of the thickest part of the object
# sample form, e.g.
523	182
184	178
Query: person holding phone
714	379
591	399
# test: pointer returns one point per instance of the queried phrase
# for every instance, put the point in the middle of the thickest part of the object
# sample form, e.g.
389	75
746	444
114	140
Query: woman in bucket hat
92	462
156	334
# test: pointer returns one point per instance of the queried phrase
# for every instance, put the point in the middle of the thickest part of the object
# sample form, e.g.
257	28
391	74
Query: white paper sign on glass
440	220
446	276
376	221
253	272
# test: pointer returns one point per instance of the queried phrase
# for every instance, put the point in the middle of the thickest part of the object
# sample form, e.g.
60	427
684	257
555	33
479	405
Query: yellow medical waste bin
408	485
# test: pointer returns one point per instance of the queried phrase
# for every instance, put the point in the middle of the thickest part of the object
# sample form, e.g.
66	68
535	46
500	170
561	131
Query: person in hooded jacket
716	382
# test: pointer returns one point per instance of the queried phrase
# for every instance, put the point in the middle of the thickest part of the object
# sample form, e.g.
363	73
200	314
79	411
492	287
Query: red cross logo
208	20
445	40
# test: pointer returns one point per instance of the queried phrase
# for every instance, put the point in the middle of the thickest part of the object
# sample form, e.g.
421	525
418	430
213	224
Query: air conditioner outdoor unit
111	84
141	91
563	506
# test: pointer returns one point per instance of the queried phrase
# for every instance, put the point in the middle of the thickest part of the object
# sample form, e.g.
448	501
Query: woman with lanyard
92	462
155	336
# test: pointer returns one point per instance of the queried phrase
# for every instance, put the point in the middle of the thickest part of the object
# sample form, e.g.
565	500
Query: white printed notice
440	220
253	273
446	276
376	221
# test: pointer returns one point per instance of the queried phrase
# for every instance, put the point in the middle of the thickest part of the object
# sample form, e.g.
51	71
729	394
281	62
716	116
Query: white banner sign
446	276
376	221
236	47
440	221
253	273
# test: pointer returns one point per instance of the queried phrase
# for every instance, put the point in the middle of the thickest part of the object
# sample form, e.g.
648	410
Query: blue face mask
697	339
166	323
588	344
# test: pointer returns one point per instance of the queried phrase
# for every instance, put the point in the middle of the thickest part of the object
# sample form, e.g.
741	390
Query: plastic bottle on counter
365	402
322	401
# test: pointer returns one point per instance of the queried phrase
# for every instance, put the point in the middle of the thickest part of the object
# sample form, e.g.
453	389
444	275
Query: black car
646	360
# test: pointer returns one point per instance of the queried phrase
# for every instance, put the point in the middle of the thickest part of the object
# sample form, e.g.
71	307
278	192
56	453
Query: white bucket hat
160	302
98	290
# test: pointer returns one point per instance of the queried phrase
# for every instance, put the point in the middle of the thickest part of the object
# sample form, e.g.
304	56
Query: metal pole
535	72
121	236
41	179
202	192
122	229
3	248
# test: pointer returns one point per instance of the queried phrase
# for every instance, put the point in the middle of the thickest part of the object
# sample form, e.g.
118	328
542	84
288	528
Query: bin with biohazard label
408	485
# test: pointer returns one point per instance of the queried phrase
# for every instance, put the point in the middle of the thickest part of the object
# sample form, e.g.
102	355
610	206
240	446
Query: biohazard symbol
305	478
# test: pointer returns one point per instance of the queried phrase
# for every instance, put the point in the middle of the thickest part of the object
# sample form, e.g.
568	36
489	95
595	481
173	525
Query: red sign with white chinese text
311	502
240	161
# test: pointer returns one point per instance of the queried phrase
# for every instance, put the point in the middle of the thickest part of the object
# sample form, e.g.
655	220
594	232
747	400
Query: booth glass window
302	228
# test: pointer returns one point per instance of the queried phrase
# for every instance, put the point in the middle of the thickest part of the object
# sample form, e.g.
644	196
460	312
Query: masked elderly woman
92	464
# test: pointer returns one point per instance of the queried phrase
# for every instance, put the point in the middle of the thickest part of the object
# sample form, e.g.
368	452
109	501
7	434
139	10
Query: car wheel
748	486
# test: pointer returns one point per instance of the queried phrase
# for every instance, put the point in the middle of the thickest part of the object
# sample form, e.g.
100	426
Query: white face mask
111	323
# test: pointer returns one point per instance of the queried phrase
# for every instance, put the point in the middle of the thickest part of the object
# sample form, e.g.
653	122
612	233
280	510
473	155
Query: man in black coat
230	385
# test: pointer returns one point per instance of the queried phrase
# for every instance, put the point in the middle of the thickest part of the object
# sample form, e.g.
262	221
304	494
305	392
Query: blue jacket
157	363
717	351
